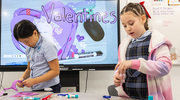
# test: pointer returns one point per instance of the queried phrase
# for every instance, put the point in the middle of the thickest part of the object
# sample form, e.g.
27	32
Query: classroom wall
98	81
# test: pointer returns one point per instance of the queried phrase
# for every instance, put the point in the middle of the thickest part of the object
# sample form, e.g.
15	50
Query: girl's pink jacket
157	67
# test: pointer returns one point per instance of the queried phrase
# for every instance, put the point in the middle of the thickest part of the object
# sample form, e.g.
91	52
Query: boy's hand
28	82
19	84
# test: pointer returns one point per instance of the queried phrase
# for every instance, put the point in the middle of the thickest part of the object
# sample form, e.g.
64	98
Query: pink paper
24	94
1	93
13	86
20	94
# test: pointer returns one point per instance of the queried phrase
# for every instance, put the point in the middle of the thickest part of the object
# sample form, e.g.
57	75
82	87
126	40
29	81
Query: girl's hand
122	66
117	79
28	82
20	84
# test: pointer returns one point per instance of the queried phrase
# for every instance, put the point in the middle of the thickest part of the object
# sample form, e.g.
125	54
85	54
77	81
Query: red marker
47	97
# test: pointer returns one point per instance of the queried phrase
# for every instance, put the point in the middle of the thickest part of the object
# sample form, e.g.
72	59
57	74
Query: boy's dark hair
24	29
138	10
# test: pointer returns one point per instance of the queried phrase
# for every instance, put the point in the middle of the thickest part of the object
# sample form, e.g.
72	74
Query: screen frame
70	67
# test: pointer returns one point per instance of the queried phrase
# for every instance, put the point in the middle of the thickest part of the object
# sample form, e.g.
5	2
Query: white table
81	96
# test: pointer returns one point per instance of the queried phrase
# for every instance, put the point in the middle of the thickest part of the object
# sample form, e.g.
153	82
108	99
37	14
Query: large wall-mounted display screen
85	32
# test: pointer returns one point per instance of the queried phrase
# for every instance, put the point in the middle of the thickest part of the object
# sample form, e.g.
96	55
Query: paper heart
13	86
20	94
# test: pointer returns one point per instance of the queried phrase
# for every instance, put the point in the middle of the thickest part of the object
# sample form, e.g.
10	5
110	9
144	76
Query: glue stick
71	96
30	98
150	97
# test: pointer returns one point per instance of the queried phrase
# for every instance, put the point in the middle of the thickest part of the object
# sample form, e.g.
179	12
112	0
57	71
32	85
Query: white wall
175	80
98	81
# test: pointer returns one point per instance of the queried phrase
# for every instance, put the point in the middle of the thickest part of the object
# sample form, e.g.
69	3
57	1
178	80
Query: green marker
30	98
71	96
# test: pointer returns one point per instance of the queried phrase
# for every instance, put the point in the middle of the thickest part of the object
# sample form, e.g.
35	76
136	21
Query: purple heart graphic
75	50
82	51
70	54
61	33
80	38
73	47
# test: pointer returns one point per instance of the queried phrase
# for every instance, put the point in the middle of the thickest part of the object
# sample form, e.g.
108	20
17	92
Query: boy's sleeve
50	52
28	53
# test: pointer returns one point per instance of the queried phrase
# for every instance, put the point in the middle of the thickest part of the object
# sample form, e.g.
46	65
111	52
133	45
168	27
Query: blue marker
106	97
23	85
62	94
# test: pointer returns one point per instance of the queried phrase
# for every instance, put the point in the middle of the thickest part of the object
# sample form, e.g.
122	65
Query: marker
47	97
62	94
107	97
88	54
23	85
5	94
85	55
30	98
2	93
71	96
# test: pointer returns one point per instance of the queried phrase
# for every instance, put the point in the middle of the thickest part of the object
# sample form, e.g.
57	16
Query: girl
144	58
43	66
